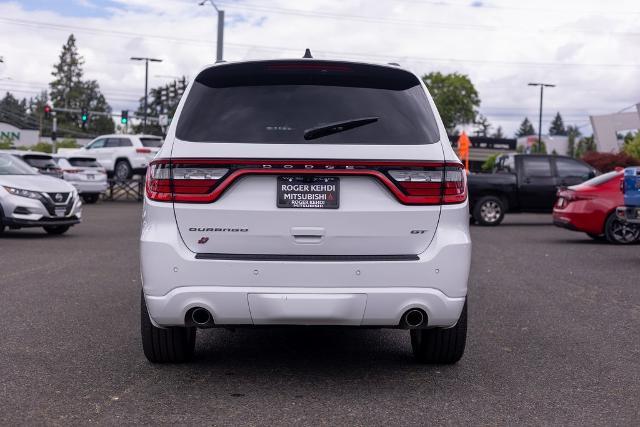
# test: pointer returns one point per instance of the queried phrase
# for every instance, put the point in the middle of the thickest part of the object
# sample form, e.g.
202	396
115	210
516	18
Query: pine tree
526	128
557	126
69	90
14	112
586	145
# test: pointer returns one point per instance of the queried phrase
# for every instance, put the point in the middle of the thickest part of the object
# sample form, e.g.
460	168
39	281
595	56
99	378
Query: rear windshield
80	162
151	142
276	102
40	161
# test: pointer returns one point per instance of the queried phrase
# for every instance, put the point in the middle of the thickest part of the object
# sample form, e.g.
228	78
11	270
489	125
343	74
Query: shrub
606	162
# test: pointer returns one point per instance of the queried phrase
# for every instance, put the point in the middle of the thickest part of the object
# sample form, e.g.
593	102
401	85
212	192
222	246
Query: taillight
181	183
72	170
143	150
204	180
441	185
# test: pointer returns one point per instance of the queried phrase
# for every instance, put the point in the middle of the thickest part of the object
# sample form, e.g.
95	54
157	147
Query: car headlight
22	193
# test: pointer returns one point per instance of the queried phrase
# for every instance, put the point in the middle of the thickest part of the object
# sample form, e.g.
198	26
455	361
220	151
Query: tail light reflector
181	183
143	150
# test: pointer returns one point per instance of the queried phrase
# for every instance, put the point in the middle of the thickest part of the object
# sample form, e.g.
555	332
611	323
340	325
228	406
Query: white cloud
500	45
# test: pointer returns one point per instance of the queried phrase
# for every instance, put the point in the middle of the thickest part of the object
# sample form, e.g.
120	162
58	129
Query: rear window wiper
336	127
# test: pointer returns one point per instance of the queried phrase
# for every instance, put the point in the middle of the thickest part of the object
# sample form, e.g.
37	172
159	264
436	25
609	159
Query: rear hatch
151	145
306	158
86	169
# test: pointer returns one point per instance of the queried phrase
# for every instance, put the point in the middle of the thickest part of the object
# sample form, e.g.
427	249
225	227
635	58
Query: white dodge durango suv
305	192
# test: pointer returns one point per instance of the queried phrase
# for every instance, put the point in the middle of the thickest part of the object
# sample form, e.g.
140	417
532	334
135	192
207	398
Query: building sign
18	137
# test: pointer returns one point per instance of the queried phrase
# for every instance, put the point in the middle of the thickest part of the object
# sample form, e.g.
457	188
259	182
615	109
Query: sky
589	49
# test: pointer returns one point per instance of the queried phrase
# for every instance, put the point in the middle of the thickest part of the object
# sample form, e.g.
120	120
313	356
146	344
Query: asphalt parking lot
554	339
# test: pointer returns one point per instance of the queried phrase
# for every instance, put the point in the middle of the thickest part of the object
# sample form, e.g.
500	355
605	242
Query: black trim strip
326	258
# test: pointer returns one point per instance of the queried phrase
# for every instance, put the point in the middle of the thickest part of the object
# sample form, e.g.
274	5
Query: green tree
69	90
498	133
14	112
539	147
161	100
488	164
526	128
455	96
632	147
586	145
557	126
573	133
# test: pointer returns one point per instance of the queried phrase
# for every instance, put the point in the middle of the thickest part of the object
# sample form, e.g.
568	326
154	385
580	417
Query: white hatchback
305	192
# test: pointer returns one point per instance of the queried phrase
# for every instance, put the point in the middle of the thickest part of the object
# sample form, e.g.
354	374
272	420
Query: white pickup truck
123	155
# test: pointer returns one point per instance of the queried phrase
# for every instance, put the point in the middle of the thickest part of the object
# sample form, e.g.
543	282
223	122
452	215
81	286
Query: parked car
85	174
591	208
123	155
305	192
523	183
30	199
630	211
43	162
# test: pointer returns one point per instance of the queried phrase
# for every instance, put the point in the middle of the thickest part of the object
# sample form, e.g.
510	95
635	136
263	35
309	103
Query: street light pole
146	86
542	86
220	29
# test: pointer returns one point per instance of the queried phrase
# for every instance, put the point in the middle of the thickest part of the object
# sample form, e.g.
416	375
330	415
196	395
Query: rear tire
122	170
165	345
489	211
438	345
90	198
56	229
620	232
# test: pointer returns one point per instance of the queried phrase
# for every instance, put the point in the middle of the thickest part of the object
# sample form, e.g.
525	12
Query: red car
590	207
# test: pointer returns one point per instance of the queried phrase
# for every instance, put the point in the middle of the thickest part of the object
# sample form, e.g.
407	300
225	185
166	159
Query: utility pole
54	132
146	86
542	86
220	29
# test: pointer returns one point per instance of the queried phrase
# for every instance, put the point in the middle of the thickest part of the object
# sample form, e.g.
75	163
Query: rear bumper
346	292
89	187
629	214
304	306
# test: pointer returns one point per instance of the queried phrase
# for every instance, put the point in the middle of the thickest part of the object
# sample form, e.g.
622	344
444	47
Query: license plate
61	211
312	192
91	176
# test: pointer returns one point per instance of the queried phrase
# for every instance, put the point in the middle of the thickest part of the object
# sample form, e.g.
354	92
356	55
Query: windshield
11	165
43	162
81	162
276	102
151	142
601	179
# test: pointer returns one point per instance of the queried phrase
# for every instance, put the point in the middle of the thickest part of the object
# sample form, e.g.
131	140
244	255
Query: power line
364	56
405	22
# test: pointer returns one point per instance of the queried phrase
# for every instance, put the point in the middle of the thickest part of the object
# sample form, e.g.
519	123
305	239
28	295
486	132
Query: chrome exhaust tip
413	318
201	317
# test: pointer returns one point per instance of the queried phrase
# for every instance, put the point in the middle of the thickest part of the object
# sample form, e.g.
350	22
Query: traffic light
124	117
47	111
85	116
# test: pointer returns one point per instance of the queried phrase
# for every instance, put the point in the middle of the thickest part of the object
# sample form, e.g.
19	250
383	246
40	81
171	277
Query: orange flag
463	149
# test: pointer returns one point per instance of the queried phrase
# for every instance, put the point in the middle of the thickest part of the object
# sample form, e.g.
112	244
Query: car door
572	172
537	184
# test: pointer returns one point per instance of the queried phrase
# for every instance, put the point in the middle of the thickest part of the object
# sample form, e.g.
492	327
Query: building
17	136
